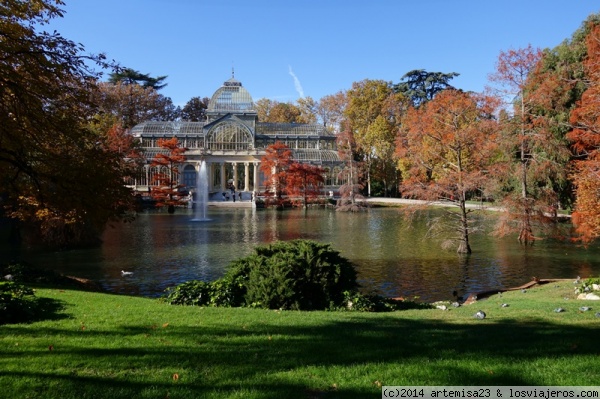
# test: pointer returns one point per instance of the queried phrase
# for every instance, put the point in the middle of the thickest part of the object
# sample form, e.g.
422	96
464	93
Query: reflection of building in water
232	142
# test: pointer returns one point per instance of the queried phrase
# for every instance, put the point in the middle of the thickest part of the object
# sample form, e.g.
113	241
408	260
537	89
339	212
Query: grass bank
107	346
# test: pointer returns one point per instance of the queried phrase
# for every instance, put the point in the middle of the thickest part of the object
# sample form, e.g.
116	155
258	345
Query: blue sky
283	49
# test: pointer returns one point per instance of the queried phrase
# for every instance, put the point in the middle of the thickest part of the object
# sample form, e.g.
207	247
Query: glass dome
231	97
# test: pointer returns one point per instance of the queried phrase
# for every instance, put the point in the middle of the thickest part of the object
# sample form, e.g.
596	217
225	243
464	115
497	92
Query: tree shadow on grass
347	357
49	309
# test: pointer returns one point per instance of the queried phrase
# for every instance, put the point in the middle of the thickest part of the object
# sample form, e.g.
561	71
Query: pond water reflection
163	250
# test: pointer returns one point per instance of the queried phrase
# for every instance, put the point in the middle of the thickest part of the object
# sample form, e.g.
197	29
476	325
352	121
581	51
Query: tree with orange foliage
586	216
118	141
534	156
274	165
304	181
165	190
445	148
351	199
586	144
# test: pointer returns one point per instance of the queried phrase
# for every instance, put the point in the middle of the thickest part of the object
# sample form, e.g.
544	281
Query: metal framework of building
232	142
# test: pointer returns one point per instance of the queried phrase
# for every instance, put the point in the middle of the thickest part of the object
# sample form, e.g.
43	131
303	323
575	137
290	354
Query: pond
393	257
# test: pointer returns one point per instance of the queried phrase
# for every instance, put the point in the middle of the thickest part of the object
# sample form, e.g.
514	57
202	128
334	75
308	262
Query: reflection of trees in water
415	267
391	254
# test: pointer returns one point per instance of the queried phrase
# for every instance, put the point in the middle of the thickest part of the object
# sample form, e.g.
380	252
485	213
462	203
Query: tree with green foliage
374	113
130	76
553	88
60	181
195	109
421	86
535	155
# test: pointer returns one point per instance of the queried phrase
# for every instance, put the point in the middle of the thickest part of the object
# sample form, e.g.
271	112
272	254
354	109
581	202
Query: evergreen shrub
299	274
223	292
17	303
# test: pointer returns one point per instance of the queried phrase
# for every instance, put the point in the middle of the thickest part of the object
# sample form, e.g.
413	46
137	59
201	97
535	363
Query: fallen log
471	298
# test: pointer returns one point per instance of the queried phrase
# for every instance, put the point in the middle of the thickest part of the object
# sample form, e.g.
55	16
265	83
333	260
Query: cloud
296	82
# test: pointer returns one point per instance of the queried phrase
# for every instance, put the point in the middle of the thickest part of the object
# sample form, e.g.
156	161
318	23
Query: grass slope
109	346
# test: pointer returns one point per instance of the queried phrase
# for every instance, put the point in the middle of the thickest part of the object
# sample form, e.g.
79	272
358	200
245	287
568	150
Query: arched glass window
229	136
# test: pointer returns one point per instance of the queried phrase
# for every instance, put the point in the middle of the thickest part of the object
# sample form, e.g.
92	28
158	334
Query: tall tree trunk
352	182
526	232
523	170
464	247
369	180
304	193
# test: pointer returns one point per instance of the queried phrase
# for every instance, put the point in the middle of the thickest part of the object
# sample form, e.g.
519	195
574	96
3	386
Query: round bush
299	274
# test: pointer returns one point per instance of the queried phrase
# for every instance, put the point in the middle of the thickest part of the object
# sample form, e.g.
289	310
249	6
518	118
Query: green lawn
109	346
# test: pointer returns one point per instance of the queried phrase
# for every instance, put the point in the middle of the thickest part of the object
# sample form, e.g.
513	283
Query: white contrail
297	83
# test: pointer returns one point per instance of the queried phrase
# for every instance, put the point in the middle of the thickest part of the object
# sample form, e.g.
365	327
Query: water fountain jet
201	201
